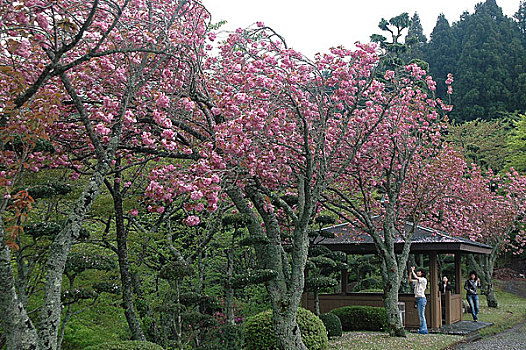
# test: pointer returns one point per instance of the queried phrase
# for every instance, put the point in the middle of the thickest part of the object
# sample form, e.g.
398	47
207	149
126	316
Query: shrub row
361	318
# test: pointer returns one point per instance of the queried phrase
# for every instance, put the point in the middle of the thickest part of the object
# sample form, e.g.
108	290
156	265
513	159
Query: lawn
511	311
376	340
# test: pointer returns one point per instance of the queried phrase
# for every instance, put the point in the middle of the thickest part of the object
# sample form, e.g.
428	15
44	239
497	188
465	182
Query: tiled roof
351	239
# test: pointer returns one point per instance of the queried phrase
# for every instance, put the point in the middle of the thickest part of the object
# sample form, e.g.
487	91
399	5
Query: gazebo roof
351	240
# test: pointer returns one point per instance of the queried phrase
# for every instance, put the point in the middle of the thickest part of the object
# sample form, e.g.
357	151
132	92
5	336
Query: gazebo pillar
345	281
435	308
458	275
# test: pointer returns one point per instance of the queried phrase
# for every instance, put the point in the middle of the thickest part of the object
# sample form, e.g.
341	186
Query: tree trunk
18	329
484	265
288	333
124	264
229	292
391	285
51	310
488	274
286	288
316	302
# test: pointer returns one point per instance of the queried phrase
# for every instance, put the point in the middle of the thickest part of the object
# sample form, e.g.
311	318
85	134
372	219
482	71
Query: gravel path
512	339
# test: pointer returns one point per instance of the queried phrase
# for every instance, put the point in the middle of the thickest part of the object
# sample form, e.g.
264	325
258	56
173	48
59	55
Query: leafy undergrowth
511	310
377	340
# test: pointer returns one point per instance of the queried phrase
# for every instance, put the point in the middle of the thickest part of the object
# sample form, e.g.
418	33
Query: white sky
314	26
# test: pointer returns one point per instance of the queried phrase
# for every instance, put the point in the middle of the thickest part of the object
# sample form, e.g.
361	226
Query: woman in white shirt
420	283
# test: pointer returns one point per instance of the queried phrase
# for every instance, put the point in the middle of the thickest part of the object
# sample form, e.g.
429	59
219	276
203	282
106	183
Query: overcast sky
314	26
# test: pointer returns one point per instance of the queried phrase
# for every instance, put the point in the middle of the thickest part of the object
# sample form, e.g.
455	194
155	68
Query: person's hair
422	271
472	273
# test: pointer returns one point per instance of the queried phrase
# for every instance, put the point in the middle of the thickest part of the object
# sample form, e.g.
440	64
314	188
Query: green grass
511	311
377	340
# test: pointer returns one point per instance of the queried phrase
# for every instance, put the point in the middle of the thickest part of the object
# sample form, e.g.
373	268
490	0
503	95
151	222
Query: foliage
516	146
482	142
224	337
332	324
259	331
126	345
361	318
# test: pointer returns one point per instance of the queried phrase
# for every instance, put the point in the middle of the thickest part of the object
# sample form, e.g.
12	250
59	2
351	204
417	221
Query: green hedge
260	335
332	324
126	345
361	318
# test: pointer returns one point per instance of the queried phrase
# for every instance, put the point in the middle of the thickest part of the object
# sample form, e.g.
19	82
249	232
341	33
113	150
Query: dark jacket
471	286
441	288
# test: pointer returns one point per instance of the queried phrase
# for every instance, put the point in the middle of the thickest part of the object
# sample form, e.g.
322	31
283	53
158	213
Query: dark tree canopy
485	51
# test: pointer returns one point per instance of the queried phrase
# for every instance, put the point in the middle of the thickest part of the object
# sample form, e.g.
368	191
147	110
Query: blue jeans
421	306
473	300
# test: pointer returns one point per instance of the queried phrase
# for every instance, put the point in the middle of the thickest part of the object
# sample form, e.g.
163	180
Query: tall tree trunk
18	329
391	286
51	309
484	266
229	292
124	264
489	263
286	289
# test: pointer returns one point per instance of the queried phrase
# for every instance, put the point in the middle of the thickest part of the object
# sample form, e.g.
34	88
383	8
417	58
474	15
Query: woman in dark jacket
444	287
471	286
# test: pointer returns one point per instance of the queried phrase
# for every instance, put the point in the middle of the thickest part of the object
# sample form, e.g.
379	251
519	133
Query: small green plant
260	335
361	318
332	324
126	345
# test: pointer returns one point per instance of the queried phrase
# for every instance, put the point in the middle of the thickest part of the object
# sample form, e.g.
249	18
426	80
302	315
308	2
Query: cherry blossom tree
396	177
80	75
278	130
489	209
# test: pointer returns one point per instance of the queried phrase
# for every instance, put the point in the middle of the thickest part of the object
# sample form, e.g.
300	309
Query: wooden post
458	277
345	281
435	309
458	273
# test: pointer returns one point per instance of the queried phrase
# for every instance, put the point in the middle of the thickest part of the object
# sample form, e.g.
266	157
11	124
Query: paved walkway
462	328
512	339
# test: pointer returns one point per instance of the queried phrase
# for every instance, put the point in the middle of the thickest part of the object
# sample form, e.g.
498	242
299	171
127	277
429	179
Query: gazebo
425	241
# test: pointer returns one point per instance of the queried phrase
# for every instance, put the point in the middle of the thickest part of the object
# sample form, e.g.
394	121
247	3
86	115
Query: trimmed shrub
260	335
126	345
332	324
361	318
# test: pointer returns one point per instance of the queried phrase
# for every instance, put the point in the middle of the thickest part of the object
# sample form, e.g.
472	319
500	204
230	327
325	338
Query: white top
420	287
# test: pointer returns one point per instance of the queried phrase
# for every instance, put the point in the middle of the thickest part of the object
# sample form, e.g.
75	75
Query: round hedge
333	325
260	335
361	318
126	345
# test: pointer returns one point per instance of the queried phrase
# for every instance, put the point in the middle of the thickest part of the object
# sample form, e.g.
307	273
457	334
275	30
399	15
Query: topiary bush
332	324
361	318
126	345
260	335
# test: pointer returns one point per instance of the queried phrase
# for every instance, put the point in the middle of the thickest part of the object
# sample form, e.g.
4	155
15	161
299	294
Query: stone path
512	339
